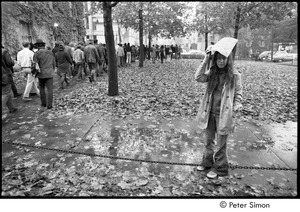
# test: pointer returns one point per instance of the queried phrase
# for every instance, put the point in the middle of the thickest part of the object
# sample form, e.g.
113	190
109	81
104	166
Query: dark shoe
49	108
90	78
13	110
27	99
33	94
18	94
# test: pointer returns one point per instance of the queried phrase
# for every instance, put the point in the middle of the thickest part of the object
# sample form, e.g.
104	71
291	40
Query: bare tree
110	43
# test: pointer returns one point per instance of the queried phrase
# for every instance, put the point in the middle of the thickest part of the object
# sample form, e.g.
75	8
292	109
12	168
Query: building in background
23	21
95	29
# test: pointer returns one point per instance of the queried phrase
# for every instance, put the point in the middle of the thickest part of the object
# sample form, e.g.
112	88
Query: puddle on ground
166	140
284	135
178	141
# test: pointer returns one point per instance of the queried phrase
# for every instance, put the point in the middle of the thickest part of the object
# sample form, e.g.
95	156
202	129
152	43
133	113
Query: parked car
193	54
281	56
265	55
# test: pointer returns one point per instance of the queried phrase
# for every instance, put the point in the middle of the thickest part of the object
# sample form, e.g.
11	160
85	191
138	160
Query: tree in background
237	15
106	8
207	19
234	16
161	19
141	23
111	51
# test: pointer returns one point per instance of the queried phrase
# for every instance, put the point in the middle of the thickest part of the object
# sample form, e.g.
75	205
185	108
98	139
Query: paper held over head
224	46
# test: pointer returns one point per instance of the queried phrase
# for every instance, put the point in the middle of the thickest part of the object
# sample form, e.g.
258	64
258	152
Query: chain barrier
141	160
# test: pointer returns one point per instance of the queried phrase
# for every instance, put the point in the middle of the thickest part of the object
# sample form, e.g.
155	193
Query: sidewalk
151	139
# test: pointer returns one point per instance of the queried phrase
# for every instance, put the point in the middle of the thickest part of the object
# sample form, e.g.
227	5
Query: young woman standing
223	96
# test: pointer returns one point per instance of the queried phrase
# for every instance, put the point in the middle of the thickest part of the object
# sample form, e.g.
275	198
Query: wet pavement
150	139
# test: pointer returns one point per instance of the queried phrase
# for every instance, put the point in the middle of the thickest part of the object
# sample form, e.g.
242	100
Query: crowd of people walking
68	60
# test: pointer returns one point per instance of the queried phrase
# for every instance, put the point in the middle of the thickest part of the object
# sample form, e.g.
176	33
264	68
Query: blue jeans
217	159
46	83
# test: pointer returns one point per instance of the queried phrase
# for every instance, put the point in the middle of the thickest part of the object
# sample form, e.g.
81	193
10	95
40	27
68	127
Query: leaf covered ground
159	92
169	90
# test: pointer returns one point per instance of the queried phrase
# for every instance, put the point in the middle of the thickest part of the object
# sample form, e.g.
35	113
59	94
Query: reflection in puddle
114	145
167	141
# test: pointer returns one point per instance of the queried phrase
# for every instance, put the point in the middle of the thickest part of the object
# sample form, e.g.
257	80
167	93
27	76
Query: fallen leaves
162	93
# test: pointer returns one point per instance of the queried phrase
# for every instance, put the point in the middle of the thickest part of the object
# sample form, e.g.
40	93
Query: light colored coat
230	97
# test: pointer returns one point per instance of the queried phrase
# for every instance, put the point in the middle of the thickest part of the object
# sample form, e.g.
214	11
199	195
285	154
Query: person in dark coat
46	61
56	48
63	64
6	90
162	53
91	57
9	63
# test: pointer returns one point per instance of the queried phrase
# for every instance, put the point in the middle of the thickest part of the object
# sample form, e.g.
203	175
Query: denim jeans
46	83
215	158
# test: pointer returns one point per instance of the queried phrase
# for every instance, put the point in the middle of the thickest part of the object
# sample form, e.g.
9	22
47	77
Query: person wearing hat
25	60
221	100
91	57
46	62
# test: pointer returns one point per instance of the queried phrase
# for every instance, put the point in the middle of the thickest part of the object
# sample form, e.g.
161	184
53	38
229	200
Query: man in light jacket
25	60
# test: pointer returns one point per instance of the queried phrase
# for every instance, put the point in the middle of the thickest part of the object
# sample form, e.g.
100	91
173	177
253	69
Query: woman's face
221	61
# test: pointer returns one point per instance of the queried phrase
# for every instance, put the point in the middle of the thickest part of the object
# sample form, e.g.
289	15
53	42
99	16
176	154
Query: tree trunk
236	28
141	38
119	32
149	37
272	42
111	52
206	33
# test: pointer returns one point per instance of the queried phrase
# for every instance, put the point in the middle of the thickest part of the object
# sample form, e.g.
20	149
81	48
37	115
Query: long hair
213	78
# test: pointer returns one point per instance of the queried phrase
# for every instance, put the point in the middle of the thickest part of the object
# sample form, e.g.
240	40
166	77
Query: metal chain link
141	160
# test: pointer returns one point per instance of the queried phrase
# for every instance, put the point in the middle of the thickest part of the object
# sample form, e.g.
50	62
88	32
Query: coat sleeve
97	56
69	59
55	59
8	61
54	62
238	93
35	57
18	59
85	55
200	75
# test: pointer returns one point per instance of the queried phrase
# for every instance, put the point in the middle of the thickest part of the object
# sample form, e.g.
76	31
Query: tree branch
114	4
247	10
